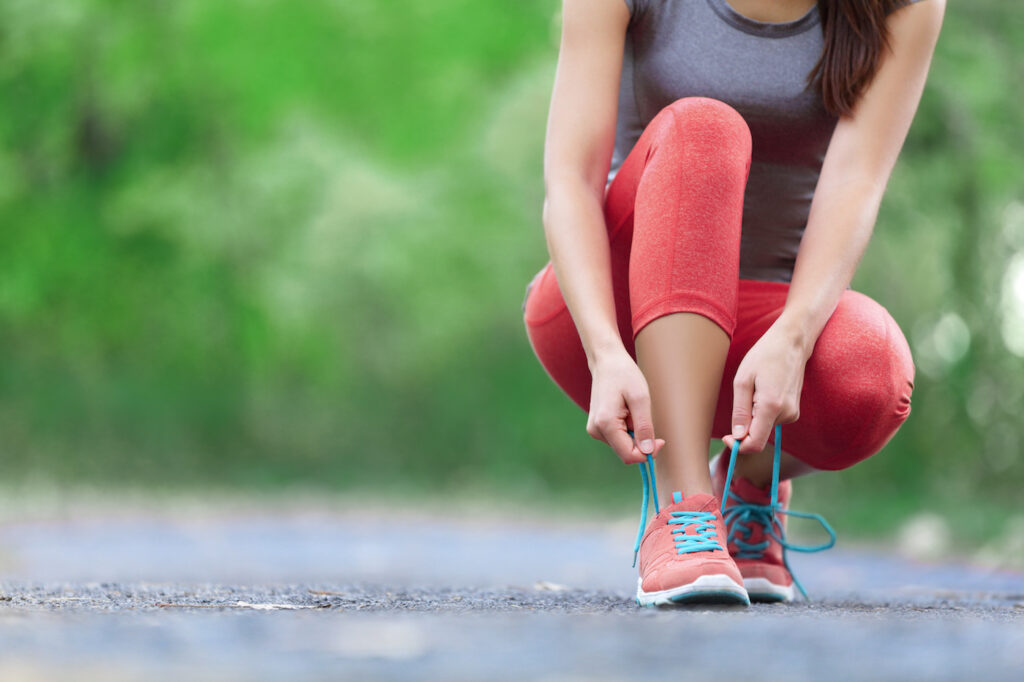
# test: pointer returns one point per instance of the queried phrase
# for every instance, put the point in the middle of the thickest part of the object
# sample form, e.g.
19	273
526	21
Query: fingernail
737	430
647	446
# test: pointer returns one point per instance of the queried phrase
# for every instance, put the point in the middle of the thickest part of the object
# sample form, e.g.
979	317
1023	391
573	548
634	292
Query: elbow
545	212
558	200
568	191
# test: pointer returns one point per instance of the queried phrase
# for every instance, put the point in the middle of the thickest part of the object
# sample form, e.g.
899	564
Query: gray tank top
680	48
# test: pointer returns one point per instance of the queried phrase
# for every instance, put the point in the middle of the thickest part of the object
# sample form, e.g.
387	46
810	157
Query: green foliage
257	242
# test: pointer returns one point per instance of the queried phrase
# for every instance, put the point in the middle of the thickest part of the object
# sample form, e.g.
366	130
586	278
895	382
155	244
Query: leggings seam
532	288
539	322
679	205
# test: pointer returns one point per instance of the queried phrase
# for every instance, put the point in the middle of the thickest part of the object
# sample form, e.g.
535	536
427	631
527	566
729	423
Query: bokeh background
283	244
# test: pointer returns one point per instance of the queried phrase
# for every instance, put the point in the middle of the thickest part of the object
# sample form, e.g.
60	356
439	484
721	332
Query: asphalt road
306	592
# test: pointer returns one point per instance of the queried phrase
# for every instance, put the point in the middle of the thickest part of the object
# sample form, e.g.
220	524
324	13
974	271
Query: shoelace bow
738	517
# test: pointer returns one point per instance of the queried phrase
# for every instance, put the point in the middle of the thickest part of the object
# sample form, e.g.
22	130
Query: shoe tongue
695	502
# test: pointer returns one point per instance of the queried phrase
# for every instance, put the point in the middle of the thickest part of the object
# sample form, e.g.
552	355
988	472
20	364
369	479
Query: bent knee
881	391
699	114
873	407
865	373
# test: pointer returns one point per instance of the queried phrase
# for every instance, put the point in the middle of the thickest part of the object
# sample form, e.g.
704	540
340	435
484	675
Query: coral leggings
673	214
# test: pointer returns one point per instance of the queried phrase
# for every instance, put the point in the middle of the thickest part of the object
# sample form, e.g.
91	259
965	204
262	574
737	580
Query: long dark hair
855	35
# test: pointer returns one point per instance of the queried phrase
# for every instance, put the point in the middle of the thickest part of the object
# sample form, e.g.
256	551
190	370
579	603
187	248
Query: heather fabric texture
683	48
673	217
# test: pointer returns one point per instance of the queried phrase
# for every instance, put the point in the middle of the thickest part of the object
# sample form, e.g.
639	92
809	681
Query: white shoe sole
707	589
762	589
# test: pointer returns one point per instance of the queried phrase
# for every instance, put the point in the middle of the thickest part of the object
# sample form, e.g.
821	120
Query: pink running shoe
683	558
756	522
758	554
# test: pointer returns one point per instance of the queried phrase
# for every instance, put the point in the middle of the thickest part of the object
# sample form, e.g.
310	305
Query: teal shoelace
647	478
737	518
704	536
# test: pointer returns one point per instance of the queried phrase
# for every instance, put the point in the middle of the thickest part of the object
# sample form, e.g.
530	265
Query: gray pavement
315	592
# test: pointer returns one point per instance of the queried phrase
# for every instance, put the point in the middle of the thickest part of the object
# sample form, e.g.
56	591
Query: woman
713	171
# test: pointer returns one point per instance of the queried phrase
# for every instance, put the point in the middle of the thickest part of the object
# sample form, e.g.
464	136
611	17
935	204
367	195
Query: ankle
687	488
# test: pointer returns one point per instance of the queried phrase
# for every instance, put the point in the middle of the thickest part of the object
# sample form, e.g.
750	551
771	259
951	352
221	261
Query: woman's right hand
621	400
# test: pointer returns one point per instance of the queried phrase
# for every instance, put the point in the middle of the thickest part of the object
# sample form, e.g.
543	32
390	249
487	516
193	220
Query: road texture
310	592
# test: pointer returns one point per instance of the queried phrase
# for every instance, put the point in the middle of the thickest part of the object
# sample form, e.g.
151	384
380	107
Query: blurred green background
264	243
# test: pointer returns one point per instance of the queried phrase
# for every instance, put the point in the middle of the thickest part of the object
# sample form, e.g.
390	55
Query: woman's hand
766	389
621	400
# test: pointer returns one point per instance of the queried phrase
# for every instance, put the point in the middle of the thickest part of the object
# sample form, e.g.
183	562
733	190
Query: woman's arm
856	170
577	155
859	160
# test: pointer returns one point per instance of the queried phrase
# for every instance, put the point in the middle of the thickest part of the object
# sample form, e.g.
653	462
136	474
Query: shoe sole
707	589
763	590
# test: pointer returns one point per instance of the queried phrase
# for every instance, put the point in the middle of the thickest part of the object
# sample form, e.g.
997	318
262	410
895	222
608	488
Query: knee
710	121
874	392
886	404
882	408
886	369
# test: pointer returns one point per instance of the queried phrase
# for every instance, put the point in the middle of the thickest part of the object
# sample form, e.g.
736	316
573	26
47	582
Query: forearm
839	227
577	240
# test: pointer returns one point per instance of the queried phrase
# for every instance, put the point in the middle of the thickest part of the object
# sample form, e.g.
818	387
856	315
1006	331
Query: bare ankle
687	485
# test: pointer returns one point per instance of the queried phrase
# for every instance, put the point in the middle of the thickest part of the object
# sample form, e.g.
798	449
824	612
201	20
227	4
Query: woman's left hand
766	389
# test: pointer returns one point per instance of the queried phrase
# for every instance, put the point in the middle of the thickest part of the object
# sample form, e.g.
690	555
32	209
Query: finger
761	426
659	443
639	406
742	405
624	447
730	441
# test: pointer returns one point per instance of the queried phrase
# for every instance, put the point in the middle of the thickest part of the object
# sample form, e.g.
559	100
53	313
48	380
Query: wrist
602	352
798	330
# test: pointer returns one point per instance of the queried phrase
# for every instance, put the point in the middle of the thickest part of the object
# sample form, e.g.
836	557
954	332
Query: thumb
742	404
643	425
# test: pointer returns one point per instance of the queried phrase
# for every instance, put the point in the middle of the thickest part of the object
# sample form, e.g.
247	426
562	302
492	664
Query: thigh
857	382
